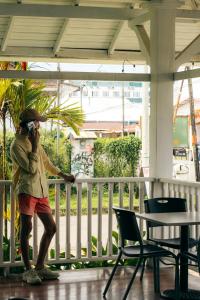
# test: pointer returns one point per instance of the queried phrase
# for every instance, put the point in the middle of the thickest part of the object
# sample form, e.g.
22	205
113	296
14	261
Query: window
127	94
105	93
85	92
116	94
95	93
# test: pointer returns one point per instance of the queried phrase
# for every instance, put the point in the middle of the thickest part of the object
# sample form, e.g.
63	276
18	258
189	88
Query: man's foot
31	277
47	274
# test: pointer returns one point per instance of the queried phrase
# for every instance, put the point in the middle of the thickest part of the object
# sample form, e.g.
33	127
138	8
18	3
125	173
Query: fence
123	192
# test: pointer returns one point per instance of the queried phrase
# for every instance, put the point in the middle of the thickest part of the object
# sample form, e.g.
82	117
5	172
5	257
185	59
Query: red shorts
28	205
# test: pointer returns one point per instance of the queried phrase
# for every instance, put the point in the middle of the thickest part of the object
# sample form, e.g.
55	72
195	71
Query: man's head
29	115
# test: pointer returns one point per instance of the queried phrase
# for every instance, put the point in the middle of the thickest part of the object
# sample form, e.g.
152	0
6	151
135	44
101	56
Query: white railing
75	230
182	189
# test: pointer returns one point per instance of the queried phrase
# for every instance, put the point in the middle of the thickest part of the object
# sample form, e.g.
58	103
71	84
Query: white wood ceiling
45	34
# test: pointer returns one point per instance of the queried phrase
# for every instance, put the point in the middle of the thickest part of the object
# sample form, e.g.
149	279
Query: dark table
182	219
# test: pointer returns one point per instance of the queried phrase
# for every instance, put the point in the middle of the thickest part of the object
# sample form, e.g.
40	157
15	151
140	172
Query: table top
177	219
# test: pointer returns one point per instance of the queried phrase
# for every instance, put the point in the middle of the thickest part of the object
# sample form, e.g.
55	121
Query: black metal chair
129	231
166	205
163	205
194	256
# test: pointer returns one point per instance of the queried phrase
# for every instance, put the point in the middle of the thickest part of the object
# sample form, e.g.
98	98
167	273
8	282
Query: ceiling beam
139	20
194	5
143	39
136	21
61	36
187	53
68	11
113	43
188	14
79	55
75	75
77	12
187	74
7	33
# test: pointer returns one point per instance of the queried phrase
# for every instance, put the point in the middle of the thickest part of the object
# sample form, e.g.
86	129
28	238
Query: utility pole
123	108
58	103
194	131
178	101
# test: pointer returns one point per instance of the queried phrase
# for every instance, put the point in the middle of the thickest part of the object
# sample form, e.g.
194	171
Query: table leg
184	260
185	293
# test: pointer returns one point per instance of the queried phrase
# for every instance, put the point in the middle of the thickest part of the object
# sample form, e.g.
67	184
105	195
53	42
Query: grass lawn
105	200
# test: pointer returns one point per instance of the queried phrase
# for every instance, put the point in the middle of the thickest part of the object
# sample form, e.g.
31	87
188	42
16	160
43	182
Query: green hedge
116	157
113	157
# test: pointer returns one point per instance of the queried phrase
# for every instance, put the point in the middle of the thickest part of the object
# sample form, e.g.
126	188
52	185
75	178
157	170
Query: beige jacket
29	168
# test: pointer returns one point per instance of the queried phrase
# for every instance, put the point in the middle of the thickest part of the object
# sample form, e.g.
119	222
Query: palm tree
17	95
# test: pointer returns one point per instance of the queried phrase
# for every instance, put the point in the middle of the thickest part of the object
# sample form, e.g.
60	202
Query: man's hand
34	137
67	178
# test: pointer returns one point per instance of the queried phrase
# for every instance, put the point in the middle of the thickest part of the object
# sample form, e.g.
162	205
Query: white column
145	125
162	53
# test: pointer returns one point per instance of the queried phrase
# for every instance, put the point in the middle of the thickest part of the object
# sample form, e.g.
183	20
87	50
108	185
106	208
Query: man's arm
67	177
28	163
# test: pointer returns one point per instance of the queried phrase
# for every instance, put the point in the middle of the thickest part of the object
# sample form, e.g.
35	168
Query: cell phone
30	126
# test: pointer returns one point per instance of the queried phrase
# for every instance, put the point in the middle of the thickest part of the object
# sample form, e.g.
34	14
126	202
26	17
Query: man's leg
49	231
26	227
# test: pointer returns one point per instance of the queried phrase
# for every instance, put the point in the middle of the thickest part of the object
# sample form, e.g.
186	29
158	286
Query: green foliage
73	265
95	263
62	159
9	139
116	157
48	140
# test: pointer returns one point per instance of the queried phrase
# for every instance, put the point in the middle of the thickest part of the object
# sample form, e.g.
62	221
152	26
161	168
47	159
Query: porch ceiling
86	30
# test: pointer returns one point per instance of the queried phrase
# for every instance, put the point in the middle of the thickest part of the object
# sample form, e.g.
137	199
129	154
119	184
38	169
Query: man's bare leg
26	227
49	231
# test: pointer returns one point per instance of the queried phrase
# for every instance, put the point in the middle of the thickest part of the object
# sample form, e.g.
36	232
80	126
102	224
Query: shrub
116	157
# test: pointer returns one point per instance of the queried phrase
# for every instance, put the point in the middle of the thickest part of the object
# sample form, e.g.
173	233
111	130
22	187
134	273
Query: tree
17	95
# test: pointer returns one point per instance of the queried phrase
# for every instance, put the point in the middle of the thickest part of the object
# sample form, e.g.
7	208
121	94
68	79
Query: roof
84	30
82	135
108	126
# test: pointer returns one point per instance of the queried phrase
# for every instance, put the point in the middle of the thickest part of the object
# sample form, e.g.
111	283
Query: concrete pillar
162	54
145	125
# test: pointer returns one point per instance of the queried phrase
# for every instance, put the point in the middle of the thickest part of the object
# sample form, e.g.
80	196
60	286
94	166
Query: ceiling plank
67	11
187	53
7	34
75	75
61	36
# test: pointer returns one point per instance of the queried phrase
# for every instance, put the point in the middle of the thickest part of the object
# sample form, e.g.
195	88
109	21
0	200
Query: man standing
29	165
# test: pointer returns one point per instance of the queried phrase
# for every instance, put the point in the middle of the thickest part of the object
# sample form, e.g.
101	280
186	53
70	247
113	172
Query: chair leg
156	273
112	274
143	268
132	279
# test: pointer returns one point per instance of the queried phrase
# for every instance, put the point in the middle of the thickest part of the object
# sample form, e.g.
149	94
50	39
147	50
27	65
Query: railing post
68	211
99	218
110	214
1	222
157	188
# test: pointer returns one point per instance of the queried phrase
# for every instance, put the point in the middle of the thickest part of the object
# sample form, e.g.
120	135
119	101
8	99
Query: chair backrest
128	225
164	205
